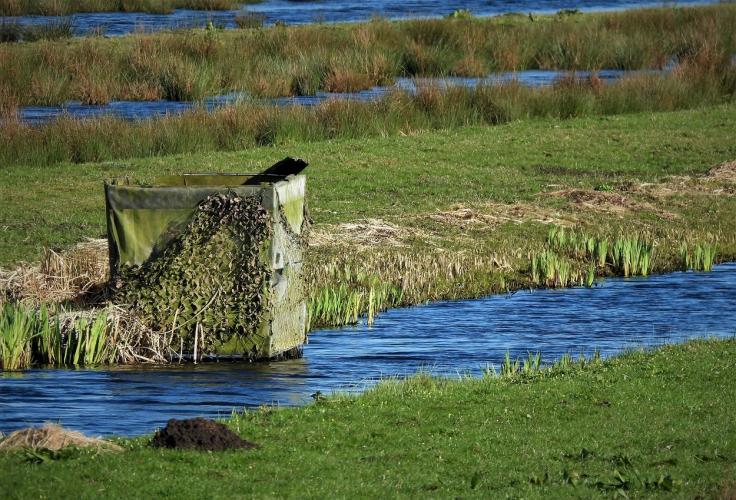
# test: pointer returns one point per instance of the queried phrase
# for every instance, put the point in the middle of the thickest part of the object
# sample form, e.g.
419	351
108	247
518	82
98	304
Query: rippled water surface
446	337
301	12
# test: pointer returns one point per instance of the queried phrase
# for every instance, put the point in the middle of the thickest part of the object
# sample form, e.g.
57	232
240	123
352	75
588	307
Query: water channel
446	338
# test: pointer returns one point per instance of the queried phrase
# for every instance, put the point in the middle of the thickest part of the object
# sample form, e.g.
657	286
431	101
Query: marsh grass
622	255
15	32
249	20
347	287
301	60
249	123
346	299
63	7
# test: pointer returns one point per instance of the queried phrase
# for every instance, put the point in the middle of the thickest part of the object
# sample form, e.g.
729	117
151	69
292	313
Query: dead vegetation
723	172
54	438
494	214
76	275
609	202
363	233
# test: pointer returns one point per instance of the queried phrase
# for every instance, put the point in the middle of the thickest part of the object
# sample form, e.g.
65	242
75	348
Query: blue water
446	338
141	110
302	12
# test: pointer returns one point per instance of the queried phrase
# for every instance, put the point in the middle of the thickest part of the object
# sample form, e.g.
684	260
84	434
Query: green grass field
645	424
395	178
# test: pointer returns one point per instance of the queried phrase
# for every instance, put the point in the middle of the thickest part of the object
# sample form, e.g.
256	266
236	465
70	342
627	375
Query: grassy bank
641	425
301	60
64	7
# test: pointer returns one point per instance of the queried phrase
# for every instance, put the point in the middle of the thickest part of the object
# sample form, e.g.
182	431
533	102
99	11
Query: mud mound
198	434
52	437
724	172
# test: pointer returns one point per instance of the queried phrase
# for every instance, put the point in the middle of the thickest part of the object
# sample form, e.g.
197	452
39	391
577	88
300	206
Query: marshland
555	237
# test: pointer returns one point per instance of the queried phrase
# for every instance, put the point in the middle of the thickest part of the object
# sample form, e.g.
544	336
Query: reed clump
29	335
699	256
51	335
282	61
620	255
532	366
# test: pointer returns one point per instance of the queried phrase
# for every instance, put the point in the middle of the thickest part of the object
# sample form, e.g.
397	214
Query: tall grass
296	60
568	253
29	335
698	257
250	124
63	7
347	298
55	30
16	333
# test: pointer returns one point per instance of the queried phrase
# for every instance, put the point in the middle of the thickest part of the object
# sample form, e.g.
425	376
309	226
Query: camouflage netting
212	273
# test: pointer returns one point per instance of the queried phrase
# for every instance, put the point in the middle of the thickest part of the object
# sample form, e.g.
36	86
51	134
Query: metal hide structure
215	259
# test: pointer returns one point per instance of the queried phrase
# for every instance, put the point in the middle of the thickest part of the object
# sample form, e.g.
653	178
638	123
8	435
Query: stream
445	338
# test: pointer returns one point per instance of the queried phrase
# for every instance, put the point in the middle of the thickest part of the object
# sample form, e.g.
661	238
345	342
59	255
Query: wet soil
198	434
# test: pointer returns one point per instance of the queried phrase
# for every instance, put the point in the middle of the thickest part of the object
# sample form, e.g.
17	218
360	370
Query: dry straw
54	438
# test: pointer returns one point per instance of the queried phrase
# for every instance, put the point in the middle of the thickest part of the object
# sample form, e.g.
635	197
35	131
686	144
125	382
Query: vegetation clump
207	285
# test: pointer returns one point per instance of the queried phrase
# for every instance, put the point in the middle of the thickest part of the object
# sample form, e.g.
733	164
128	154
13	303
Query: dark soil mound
198	434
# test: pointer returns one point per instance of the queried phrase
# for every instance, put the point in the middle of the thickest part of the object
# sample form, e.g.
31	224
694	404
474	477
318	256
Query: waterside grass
64	7
15	32
43	337
302	60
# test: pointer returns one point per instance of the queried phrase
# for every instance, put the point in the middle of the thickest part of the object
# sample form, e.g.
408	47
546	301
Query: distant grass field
654	425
